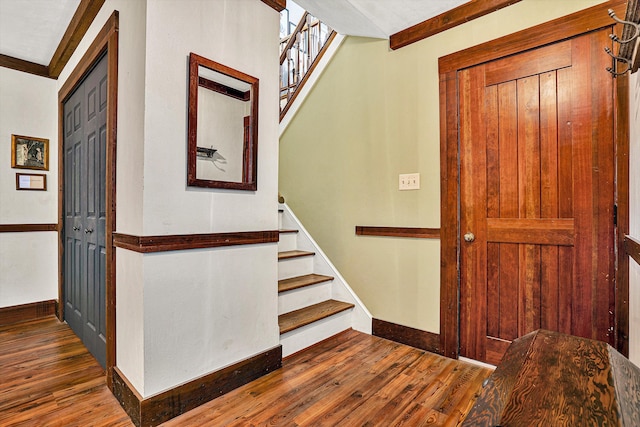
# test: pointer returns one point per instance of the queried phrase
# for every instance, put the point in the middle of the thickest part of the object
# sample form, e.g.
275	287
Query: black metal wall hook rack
627	59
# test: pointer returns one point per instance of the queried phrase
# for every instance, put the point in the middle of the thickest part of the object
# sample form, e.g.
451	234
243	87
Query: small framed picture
31	181
29	153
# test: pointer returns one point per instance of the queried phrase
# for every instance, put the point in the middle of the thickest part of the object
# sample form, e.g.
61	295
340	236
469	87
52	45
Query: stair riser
287	242
306	336
293	267
303	297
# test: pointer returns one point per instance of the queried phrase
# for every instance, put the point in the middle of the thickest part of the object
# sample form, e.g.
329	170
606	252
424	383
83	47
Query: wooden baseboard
25	312
164	406
127	395
405	335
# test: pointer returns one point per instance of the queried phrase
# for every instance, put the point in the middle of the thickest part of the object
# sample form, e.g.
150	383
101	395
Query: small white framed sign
31	181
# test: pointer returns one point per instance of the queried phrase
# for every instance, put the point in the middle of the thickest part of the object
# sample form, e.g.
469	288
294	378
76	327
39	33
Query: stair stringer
361	318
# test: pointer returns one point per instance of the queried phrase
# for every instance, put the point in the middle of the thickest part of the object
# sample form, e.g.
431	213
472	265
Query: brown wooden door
537	193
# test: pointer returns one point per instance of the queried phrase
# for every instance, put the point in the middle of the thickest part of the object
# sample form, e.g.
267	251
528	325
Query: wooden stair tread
287	230
294	254
301	281
305	316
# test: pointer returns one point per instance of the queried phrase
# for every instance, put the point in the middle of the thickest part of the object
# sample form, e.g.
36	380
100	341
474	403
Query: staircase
314	301
300	53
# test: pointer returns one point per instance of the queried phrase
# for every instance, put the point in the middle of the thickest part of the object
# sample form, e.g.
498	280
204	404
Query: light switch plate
409	181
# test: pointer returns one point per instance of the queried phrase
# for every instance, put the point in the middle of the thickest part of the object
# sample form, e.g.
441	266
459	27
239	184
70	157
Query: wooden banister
299	56
292	37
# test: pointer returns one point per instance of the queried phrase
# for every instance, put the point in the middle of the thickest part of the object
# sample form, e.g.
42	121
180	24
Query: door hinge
615	215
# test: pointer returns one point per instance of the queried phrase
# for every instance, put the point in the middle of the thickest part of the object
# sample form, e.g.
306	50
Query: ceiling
32	29
375	18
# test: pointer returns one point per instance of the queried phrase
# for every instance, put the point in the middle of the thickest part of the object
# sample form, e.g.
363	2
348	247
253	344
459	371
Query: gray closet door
85	118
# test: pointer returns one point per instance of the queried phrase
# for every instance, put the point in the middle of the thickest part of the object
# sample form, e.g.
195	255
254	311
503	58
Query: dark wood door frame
105	41
559	29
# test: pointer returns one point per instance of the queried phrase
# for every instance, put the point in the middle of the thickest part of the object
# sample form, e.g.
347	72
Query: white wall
634	223
187	313
242	35
224	300
28	261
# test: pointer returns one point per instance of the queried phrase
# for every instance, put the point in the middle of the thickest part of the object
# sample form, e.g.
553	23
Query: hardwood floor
48	379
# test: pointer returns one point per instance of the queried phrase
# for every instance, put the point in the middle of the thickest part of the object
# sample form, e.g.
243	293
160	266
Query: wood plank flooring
48	379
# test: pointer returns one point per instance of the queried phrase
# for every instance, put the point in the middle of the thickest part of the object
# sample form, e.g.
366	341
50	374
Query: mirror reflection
222	126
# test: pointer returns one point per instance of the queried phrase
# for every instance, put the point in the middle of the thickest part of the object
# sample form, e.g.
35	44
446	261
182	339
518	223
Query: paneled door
537	196
85	211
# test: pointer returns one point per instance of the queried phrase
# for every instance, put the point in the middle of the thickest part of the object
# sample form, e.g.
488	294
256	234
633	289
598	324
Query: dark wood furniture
547	378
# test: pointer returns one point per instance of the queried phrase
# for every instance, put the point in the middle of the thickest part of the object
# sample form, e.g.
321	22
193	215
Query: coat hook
614	70
636	28
633	38
613	16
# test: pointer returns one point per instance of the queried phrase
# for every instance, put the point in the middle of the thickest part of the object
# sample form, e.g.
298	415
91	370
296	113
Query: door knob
88	230
469	237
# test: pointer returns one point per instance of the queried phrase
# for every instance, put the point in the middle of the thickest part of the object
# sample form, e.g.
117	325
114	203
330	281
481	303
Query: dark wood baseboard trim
405	335
164	406
127	395
420	233
25	312
19	228
180	242
632	248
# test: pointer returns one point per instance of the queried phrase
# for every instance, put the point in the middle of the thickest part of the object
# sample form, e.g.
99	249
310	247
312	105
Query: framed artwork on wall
28	152
31	181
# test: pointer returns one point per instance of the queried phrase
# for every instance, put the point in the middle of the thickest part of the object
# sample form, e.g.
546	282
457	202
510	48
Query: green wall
374	114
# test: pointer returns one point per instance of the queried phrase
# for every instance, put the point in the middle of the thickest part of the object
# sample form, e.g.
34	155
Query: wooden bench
551	379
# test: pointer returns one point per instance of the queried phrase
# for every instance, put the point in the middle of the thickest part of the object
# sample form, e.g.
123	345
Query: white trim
340	289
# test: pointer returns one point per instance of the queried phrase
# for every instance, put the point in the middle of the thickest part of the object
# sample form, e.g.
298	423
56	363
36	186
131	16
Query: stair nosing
288	230
313	279
294	254
344	306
